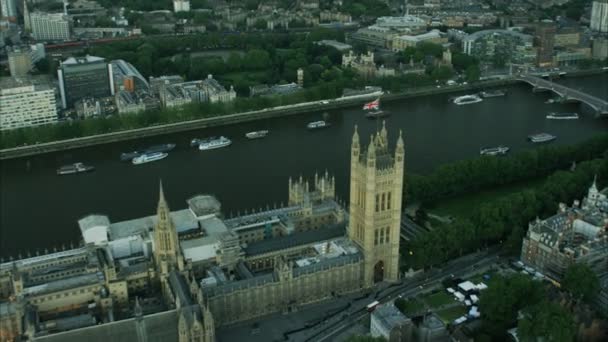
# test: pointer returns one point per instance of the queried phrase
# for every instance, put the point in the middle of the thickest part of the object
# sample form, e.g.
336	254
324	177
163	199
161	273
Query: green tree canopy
581	282
546	320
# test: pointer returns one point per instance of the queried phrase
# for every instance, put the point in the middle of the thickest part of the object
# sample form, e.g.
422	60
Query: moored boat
152	149
467	99
196	142
74	168
494	151
379	113
541	137
318	124
493	93
257	134
215	143
149	157
562	116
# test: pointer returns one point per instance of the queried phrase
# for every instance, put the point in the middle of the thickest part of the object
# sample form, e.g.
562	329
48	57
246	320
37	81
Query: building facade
599	16
84	77
181	6
405	41
9	9
19	62
576	234
50	26
25	104
545	36
504	45
177	275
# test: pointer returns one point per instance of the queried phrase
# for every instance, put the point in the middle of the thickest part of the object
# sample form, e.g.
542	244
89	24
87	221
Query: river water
39	209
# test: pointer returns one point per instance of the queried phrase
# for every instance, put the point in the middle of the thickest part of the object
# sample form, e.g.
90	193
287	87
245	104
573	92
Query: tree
581	282
501	302
473	73
547	321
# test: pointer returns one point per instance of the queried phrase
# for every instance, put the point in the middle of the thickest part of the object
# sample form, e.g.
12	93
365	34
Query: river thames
39	209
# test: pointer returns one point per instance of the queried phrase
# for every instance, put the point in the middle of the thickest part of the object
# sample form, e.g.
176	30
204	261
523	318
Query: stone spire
371	150
355	138
400	144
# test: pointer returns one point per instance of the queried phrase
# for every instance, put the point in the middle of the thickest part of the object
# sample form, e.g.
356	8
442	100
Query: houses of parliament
179	275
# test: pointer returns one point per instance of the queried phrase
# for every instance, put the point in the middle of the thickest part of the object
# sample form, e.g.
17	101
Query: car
325	102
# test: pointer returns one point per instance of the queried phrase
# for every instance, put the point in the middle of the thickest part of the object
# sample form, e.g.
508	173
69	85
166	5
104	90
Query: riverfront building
50	26
575	234
25	104
84	77
506	45
177	275
19	61
599	16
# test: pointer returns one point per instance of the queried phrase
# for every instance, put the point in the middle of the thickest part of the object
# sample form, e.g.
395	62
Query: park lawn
413	306
450	314
463	206
478	278
438	299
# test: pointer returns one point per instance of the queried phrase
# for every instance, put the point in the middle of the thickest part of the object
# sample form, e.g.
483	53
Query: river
39	209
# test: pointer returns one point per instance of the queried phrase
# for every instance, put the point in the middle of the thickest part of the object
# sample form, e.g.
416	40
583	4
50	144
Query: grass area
450	314
478	278
438	299
462	206
413	306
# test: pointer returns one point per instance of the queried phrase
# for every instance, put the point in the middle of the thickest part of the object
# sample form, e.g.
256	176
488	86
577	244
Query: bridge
566	93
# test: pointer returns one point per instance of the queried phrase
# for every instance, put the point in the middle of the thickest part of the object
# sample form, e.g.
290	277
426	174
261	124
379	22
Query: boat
379	113
467	99
152	149
74	168
541	137
318	124
493	93
215	143
494	151
196	142
562	116
149	157
256	134
550	101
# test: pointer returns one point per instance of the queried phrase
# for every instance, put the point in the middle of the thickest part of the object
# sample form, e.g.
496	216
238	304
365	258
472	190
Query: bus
372	306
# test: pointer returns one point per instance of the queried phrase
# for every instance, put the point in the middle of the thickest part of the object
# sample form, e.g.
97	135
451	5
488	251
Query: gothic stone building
176	276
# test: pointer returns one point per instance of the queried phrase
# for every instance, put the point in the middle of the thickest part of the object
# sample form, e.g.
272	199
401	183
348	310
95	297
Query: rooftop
296	239
64	284
83	60
389	316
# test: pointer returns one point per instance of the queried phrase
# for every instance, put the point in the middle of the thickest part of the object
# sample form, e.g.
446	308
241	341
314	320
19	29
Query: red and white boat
374	110
372	105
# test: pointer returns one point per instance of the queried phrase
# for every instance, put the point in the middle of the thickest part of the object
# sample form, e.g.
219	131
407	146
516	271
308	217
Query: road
460	267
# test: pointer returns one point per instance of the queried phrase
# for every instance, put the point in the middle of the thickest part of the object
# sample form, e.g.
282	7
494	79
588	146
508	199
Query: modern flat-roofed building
26	104
9	9
19	61
405	41
83	77
50	26
599	16
510	46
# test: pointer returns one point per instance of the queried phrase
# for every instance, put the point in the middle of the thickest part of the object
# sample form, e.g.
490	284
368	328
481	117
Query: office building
405	41
181	6
509	46
545	35
26	103
599	16
600	48
19	61
50	26
84	77
128	77
9	9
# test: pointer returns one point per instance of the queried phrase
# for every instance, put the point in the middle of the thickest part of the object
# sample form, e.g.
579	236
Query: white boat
318	124
256	134
215	143
467	99
550	101
541	137
149	157
493	93
196	141
493	151
74	168
562	116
